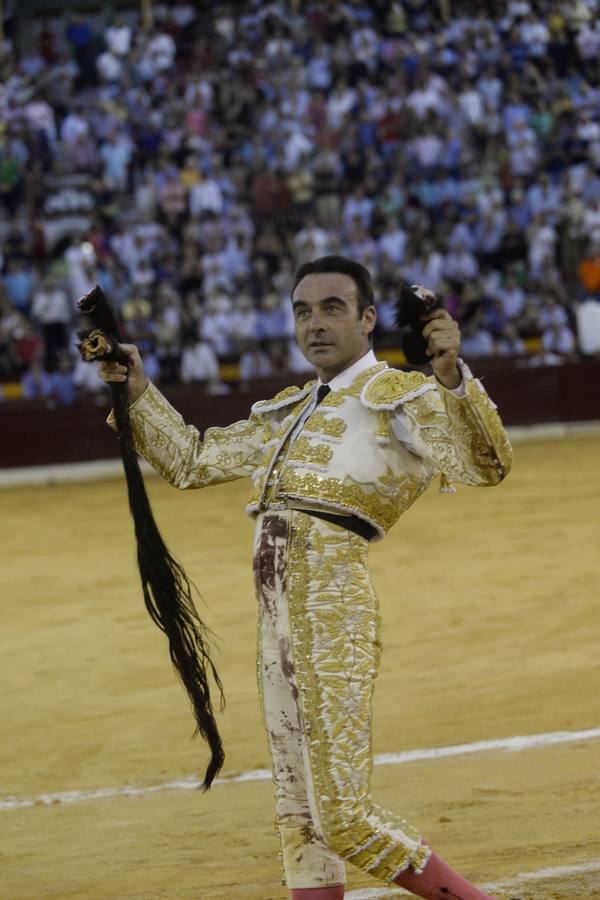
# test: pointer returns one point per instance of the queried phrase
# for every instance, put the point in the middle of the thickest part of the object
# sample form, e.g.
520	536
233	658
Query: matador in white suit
333	465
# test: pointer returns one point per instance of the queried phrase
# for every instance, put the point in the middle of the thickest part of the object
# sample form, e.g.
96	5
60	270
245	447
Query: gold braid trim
380	504
462	436
335	630
388	389
181	456
285	397
479	430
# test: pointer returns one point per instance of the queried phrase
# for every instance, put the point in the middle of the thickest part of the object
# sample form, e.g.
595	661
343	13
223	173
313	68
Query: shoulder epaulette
286	397
390	388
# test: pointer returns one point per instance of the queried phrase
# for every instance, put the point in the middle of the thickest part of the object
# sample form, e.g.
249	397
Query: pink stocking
439	882
333	892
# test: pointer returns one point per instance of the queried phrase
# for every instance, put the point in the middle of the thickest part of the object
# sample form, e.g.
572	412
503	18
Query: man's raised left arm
455	427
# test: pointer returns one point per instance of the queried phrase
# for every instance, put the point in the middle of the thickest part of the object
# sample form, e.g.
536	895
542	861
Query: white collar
345	378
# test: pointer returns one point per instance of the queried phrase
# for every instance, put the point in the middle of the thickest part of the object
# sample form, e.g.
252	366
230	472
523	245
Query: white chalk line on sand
513	883
510	884
514	744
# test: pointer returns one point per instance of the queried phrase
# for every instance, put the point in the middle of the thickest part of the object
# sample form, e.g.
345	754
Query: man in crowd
333	466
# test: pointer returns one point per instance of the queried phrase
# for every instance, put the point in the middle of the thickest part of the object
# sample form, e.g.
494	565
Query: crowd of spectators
190	166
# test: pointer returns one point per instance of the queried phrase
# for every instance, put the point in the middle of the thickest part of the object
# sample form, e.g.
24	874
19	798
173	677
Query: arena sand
490	604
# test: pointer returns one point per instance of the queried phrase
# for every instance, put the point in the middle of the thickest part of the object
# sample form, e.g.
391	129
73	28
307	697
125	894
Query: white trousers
319	650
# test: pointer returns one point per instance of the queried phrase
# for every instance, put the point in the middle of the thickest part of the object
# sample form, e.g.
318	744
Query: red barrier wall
31	434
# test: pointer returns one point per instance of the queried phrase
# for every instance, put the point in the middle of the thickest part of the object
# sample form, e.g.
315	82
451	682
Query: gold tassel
382	435
446	485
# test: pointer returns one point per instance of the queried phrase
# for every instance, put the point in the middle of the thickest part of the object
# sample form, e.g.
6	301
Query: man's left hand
443	344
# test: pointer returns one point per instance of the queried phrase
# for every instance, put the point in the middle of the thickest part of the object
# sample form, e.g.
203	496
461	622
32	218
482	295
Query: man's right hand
133	373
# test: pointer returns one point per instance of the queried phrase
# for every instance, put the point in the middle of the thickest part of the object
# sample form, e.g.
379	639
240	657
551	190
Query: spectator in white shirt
461	265
476	340
392	241
542	238
312	234
512	297
198	362
534	33
491	88
244	320
214	327
118	37
357	205
161	50
551	312
524	151
559	339
509	343
73	127
433	265
205	196
51	309
86	378
110	67
544	197
472	105
339	104
254	363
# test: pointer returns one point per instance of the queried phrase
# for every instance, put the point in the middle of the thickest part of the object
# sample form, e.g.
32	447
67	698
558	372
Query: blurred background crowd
188	165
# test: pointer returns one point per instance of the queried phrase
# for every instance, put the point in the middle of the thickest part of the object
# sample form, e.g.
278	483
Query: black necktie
322	392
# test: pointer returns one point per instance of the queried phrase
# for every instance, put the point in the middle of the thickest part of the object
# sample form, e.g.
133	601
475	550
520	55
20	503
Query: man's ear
369	316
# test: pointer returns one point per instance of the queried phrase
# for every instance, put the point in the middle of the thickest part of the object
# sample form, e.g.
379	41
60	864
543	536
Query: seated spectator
551	312
205	196
116	154
36	383
86	378
19	283
542	237
62	382
272	319
51	310
214	324
254	363
476	340
109	67
558	341
511	296
118	37
167	337
198	361
73	127
244	320
461	265
392	242
508	343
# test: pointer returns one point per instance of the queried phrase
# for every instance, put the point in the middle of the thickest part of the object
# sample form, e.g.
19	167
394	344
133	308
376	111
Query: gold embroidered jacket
346	457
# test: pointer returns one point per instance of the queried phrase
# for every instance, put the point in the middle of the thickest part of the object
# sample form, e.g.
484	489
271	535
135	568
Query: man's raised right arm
173	448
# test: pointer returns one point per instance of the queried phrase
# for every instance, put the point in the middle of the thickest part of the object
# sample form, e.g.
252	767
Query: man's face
329	331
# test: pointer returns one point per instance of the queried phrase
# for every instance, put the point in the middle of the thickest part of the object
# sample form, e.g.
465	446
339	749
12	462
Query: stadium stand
189	166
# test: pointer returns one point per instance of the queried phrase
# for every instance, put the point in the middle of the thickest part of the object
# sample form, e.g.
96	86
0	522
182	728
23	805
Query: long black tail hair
167	589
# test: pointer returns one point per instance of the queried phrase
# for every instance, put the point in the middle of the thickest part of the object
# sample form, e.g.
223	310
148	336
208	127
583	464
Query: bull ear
414	302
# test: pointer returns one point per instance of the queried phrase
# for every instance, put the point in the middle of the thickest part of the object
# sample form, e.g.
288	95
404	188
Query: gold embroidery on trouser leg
307	862
336	646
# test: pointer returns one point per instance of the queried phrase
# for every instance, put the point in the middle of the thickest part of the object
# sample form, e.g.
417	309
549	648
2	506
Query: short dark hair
341	265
